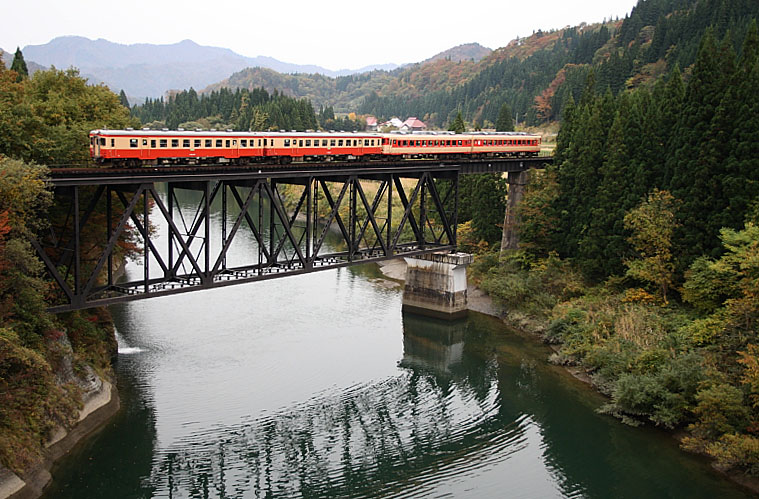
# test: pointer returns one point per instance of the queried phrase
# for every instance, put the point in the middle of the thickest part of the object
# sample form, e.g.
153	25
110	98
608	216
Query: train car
426	145
155	147
320	146
505	144
133	148
447	144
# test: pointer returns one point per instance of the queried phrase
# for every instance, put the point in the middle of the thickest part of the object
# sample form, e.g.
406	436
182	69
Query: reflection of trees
366	440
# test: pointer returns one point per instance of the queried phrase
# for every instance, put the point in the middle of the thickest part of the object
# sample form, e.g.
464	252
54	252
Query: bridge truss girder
288	217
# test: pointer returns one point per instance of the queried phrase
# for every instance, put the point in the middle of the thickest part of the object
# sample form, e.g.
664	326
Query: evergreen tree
482	199
19	65
695	165
458	125
123	99
505	122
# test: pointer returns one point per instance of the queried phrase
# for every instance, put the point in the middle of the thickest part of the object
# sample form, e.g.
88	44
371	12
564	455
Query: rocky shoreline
101	402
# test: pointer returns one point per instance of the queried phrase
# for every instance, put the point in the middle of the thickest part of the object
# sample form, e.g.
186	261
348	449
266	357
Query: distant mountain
148	70
467	52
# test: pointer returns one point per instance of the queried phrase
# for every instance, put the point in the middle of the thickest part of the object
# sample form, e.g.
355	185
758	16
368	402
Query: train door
95	142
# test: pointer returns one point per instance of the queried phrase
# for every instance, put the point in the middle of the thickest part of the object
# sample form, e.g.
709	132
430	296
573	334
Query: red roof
414	122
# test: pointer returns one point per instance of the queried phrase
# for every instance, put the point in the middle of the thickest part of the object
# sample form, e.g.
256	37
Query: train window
340	143
209	143
234	142
244	142
459	142
152	142
185	142
196	143
174	142
218	142
300	143
308	142
324	142
132	142
102	141
227	142
366	142
266	140
287	142
163	142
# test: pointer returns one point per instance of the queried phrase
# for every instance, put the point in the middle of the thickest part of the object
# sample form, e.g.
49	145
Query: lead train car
153	147
133	148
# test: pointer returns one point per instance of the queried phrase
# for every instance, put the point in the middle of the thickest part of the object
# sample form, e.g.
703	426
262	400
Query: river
318	386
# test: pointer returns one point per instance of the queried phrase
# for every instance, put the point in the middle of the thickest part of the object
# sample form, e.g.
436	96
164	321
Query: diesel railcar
133	148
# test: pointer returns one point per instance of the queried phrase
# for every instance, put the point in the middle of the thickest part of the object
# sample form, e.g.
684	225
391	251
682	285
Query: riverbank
479	301
100	404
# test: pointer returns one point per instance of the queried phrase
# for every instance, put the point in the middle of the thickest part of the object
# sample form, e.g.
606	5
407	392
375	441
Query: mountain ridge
150	70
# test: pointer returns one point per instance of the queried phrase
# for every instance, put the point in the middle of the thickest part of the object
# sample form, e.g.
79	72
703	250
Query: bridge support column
436	285
510	237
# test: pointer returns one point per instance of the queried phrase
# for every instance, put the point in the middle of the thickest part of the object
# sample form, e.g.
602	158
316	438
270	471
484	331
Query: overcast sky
333	34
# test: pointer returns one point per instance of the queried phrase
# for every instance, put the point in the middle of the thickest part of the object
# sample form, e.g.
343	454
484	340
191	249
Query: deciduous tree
652	225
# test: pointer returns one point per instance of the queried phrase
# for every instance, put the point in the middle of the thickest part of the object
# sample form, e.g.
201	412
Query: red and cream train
132	148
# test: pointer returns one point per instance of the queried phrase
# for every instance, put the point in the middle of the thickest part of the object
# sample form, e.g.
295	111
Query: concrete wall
436	285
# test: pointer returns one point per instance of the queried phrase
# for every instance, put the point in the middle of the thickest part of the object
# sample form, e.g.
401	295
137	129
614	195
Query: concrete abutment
436	285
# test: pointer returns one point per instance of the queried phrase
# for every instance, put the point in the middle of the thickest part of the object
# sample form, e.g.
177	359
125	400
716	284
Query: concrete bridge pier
436	285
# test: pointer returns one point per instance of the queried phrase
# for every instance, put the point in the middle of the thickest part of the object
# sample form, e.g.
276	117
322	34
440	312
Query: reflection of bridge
380	211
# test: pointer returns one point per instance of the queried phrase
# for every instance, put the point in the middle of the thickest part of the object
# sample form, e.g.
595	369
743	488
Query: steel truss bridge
378	211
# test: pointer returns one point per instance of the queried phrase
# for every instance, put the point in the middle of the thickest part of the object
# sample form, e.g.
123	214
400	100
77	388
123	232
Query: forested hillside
47	362
640	247
535	76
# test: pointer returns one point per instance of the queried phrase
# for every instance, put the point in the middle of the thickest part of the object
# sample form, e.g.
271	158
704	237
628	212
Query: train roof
216	133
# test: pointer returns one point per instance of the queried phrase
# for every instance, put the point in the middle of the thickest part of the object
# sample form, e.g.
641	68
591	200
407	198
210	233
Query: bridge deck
104	176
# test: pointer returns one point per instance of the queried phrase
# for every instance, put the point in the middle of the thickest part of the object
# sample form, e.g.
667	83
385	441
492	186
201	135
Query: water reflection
366	440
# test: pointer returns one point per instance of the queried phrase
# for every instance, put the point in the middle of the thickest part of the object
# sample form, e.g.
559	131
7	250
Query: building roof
371	120
414	122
